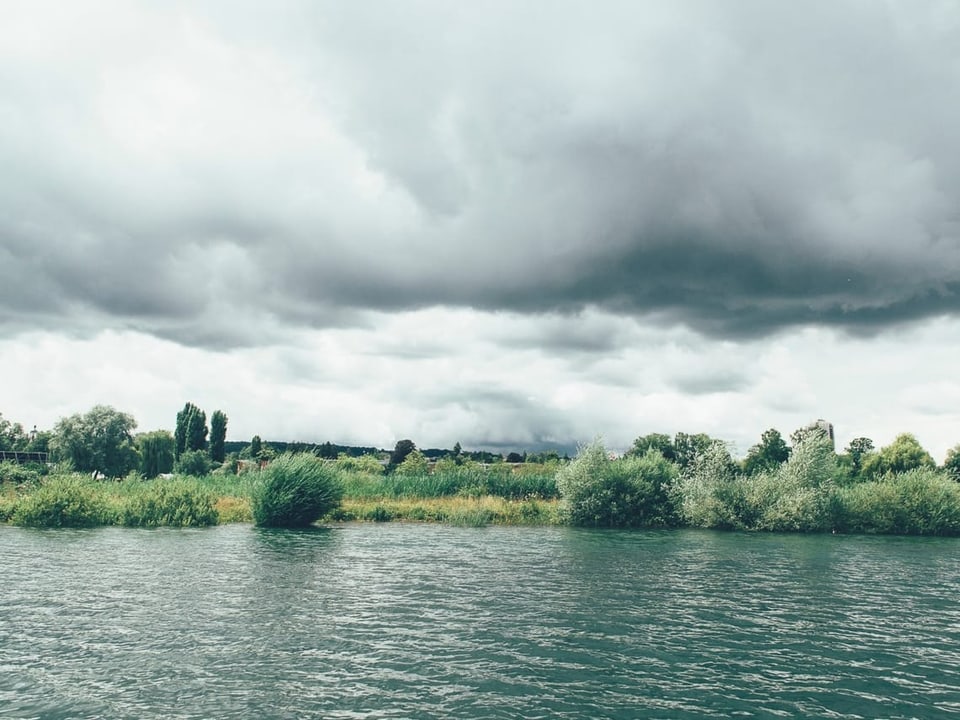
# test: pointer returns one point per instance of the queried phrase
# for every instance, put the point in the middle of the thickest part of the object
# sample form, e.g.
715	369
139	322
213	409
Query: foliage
194	462
218	436
63	501
17	474
400	452
655	441
169	503
366	464
100	440
904	453
858	450
157	451
709	491
771	452
686	447
952	463
296	491
12	435
794	496
921	501
413	464
180	430
631	492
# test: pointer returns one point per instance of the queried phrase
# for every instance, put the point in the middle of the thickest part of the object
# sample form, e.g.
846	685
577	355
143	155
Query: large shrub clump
794	497
296	491
170	503
921	501
630	492
67	501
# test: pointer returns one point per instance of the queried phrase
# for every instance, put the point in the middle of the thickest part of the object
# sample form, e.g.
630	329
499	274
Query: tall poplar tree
218	435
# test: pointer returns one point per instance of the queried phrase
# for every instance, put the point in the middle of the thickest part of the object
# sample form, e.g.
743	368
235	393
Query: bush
195	463
67	501
917	502
18	474
710	494
169	503
630	492
296	491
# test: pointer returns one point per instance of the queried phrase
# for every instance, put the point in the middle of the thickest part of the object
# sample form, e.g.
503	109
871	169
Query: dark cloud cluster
738	168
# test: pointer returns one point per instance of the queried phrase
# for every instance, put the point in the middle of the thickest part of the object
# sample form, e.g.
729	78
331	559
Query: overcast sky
499	223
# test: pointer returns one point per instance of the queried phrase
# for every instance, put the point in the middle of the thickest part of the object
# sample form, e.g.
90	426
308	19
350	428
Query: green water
411	621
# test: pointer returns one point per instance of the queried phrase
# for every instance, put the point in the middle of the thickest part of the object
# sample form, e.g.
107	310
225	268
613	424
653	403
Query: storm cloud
736	168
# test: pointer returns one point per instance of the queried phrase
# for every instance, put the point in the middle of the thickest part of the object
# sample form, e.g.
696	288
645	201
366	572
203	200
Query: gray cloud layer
213	176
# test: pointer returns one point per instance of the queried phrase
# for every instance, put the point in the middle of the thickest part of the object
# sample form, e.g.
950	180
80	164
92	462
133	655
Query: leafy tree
12	435
400	452
327	451
256	447
457	453
156	452
194	462
688	447
100	440
191	430
197	431
514	457
769	454
218	436
857	450
656	441
952	463
904	453
415	463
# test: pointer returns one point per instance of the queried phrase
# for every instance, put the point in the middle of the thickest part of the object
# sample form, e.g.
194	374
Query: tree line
103	440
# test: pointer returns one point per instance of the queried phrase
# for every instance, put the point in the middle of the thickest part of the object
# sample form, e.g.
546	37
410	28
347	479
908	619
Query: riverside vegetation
810	491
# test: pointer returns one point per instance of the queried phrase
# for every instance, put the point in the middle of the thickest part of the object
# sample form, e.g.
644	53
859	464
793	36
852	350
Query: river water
429	621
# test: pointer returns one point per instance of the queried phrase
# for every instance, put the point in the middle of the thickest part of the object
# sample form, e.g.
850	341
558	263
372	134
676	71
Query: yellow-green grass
455	510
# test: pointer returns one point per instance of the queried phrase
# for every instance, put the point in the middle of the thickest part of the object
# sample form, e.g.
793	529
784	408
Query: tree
218	436
99	441
157	451
769	454
191	430
952	463
256	447
12	435
457	453
195	463
904	453
688	447
197	431
415	463
400	452
656	441
514	458
858	449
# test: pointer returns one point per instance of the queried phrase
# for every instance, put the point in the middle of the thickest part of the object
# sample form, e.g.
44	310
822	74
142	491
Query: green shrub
296	491
921	501
169	503
630	492
66	501
195	463
709	492
11	472
365	464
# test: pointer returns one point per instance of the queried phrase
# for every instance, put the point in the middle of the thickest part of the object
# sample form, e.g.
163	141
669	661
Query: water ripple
409	621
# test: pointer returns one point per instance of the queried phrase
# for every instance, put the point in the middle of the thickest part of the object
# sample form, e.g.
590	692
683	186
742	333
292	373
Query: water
410	621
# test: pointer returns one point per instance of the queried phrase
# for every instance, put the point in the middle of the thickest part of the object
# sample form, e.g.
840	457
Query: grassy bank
801	495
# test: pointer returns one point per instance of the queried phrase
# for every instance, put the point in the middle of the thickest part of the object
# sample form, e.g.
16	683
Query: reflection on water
430	621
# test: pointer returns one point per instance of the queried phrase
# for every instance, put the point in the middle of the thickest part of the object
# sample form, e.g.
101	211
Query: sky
509	225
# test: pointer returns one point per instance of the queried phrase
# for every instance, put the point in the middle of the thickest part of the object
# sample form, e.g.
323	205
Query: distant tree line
103	440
